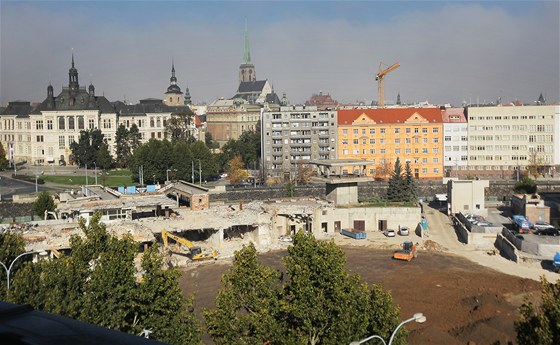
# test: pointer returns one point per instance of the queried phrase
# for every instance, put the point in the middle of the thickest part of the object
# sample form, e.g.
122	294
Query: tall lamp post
9	269
95	173
418	317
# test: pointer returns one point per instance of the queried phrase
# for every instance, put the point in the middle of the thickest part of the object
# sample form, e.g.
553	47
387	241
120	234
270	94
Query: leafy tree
134	137
122	146
97	284
535	165
43	203
209	141
248	147
156	156
247	306
322	302
410	182
525	186
164	310
11	245
179	127
397	189
3	159
200	152
541	324
289	189
383	316
86	149
236	170
103	159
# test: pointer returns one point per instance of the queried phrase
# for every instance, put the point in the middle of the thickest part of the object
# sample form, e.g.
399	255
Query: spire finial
172	66
246	52
72	57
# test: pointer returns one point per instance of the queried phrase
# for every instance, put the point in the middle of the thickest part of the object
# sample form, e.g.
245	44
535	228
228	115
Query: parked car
390	233
403	231
542	226
551	231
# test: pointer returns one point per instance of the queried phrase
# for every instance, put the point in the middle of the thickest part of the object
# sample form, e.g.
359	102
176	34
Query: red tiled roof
197	121
454	115
391	115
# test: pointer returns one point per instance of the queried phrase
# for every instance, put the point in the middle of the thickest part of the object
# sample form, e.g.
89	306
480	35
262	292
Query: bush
43	203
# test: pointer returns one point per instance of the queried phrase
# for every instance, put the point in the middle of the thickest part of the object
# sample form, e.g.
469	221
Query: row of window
396	130
383	141
346	152
514	117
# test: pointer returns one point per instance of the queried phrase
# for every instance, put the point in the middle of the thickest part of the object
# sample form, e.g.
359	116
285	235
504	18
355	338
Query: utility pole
199	173
36	178
192	174
86	176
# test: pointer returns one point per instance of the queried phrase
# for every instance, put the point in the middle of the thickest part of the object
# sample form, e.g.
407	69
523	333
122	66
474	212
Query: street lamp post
95	173
418	317
167	175
9	269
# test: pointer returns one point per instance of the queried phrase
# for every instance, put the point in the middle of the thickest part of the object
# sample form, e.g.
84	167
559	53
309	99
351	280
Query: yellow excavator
195	253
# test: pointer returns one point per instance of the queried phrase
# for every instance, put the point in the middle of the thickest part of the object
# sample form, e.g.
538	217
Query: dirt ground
462	300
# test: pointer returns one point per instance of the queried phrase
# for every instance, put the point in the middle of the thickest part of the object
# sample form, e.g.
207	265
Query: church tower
173	96
247	69
73	77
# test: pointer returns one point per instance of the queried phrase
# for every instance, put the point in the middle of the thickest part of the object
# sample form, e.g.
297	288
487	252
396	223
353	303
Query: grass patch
115	178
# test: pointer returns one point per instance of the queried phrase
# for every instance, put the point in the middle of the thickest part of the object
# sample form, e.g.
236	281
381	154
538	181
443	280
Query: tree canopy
319	302
86	150
179	127
3	159
44	202
99	284
541	324
248	147
236	170
525	186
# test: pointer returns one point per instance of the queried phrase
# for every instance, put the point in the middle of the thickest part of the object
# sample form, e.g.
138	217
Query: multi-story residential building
414	135
504	139
295	135
455	142
228	118
43	134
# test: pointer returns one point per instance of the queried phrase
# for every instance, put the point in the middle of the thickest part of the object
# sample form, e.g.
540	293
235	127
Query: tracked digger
195	253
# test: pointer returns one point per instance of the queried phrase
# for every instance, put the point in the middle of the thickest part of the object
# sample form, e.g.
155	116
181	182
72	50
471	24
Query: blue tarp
131	190
150	188
120	190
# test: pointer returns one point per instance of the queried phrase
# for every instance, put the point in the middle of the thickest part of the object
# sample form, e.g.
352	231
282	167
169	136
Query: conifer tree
410	182
397	189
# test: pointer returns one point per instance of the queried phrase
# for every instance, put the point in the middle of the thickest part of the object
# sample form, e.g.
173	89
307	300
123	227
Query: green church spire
246	52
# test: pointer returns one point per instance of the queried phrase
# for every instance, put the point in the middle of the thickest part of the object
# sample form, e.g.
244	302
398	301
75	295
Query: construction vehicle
408	251
195	253
380	77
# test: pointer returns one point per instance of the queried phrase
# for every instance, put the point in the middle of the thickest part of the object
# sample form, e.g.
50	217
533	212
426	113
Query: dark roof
76	100
174	89
272	98
18	108
251	86
149	105
21	324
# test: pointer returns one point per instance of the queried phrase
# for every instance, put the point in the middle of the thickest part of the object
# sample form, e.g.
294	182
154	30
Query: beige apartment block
228	118
504	140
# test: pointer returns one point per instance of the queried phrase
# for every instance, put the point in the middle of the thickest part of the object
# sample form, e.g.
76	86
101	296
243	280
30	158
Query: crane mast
380	77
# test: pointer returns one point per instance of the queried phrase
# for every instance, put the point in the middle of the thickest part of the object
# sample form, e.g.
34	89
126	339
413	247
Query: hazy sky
449	51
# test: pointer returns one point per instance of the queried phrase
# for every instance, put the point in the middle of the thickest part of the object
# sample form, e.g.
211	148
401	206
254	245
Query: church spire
246	51
73	76
173	79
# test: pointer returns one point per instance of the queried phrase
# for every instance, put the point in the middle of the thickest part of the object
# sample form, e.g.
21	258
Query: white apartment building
503	139
455	140
295	135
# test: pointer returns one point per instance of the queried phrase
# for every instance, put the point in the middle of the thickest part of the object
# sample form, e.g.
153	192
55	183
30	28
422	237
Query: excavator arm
196	252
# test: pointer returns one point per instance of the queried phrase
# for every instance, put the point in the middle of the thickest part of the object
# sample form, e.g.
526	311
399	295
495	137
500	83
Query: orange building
414	135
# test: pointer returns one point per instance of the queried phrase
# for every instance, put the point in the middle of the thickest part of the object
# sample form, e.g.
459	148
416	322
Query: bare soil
463	301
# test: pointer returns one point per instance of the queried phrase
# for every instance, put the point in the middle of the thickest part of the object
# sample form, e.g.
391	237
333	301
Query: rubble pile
9	209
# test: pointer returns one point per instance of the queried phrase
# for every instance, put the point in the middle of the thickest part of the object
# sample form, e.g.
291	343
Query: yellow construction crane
196	253
380	77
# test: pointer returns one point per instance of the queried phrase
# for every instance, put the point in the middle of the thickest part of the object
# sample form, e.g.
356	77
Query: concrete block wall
506	248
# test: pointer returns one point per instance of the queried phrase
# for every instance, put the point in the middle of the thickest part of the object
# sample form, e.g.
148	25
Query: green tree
122	146
248	304
98	284
11	245
180	126
44	202
86	149
134	137
3	159
525	186
322	302
541	324
103	159
248	147
156	156
410	183
397	189
383	316
162	307
200	152
289	189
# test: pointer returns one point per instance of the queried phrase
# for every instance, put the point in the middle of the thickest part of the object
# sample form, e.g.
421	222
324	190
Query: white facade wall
455	146
507	137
